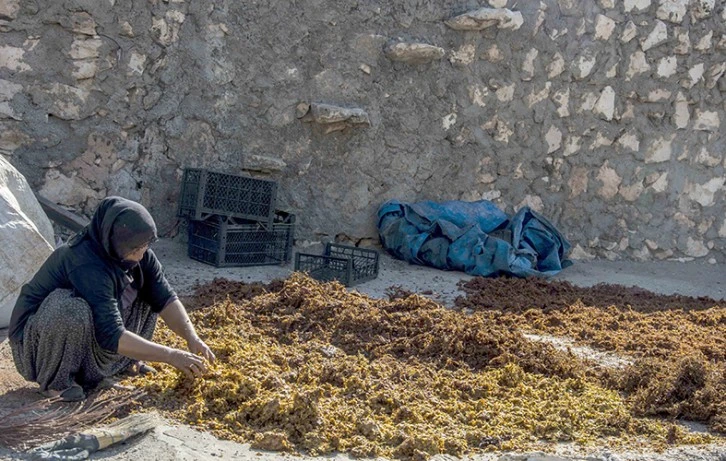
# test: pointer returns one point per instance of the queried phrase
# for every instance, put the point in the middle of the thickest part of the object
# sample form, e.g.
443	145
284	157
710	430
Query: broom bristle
49	419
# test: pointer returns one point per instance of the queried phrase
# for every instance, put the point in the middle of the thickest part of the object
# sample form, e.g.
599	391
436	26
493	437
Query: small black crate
224	242
346	264
207	193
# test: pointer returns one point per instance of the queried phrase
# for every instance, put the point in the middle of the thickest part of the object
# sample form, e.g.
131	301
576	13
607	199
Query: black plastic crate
207	193
226	242
346	264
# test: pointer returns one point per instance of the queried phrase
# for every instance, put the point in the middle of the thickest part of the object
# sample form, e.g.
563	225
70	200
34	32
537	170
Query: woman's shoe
72	394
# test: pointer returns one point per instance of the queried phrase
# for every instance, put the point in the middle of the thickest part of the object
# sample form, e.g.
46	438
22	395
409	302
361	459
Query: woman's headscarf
119	226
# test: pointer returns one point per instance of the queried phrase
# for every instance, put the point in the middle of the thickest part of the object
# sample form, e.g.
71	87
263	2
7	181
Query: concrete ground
665	277
168	442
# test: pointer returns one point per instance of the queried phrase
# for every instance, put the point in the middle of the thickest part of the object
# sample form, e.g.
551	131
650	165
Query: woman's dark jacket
87	266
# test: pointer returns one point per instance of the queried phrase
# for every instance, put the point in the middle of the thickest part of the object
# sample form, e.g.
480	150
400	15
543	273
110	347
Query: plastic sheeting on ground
474	237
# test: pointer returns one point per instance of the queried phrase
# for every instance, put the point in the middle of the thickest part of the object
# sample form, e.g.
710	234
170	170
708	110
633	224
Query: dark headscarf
119	226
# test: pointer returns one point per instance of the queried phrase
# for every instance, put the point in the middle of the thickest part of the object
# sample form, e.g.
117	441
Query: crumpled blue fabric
474	237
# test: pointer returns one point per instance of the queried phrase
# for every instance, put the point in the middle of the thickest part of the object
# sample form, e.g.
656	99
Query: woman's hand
175	316
190	364
199	347
193	362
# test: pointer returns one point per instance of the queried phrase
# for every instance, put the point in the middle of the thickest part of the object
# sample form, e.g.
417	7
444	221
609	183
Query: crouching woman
91	309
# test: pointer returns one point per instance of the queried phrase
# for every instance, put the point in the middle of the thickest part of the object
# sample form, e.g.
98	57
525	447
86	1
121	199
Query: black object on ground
346	264
207	193
229	242
61	216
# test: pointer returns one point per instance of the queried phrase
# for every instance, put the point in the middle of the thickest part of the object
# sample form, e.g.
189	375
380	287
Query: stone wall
603	115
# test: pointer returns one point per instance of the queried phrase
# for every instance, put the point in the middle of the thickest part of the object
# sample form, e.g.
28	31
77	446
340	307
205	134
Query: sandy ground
169	442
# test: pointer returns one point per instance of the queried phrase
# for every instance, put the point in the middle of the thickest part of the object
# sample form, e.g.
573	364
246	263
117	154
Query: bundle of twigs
47	419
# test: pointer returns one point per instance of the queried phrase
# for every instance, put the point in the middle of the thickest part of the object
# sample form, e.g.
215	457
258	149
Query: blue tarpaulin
474	237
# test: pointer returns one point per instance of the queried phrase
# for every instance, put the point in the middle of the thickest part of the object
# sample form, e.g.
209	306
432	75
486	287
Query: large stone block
27	237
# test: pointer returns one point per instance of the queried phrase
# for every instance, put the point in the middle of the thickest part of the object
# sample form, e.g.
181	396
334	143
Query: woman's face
137	254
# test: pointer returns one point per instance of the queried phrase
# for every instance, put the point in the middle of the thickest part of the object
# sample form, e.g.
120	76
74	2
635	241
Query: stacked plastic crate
347	264
233	221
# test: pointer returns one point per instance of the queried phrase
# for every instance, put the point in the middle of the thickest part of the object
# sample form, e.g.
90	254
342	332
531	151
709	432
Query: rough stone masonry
603	115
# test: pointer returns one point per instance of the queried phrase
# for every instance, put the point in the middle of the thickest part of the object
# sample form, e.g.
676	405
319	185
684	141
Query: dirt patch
10	379
15	391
